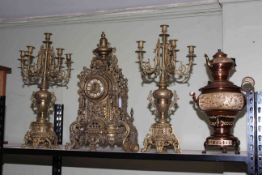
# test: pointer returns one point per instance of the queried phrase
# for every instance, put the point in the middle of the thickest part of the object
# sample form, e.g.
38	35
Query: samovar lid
221	57
220	67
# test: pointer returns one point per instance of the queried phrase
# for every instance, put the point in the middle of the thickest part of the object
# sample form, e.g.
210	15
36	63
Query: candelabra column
162	102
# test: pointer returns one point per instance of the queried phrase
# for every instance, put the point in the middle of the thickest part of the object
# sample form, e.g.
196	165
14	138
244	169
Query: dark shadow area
130	164
156	165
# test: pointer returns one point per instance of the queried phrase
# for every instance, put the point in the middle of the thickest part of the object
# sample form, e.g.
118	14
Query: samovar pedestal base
161	138
40	135
224	143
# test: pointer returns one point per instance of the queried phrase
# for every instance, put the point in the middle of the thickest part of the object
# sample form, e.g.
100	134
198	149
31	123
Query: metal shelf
184	156
187	161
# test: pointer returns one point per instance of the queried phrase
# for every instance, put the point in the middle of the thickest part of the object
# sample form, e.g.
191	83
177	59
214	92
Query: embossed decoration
221	100
102	119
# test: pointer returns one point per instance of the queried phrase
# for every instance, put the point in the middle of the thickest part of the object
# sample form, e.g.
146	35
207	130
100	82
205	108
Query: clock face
95	88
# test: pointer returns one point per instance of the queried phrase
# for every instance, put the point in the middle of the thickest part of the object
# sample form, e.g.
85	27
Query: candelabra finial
47	36
164	28
46	69
162	100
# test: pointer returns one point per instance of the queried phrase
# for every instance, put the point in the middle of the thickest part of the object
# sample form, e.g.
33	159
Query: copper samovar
221	101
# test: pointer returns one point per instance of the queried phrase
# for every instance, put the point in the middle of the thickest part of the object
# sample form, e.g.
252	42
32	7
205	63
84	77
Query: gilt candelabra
47	68
162	102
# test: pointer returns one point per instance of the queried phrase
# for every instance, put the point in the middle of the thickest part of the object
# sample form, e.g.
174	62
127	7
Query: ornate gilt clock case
103	119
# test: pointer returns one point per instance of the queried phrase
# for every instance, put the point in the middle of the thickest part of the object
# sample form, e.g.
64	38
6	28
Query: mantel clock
103	120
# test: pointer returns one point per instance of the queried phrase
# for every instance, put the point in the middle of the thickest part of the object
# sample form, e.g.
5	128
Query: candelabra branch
149	72
165	61
48	65
184	71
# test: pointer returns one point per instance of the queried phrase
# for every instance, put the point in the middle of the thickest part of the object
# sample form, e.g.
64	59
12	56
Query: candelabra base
161	138
224	143
40	135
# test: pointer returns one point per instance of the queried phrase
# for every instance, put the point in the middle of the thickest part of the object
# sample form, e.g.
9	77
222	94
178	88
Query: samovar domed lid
221	57
220	67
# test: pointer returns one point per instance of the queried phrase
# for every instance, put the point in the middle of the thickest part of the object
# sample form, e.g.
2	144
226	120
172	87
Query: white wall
242	40
207	30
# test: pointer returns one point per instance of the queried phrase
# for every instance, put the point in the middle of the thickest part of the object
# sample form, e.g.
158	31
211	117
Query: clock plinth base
100	132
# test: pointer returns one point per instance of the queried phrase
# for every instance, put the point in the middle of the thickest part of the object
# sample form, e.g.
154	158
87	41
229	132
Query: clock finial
103	48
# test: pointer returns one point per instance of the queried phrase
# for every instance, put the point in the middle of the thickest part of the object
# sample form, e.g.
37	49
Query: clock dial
95	88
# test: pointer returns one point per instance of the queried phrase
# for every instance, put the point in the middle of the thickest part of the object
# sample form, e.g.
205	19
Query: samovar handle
195	99
208	62
248	84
